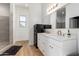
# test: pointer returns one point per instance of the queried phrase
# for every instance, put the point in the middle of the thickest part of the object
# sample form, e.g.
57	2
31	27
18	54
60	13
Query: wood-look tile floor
27	50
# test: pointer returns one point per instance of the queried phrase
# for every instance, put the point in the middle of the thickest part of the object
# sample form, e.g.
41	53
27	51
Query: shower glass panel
4	31
4	25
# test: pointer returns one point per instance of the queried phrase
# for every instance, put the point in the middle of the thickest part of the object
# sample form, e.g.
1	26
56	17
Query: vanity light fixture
54	6
51	7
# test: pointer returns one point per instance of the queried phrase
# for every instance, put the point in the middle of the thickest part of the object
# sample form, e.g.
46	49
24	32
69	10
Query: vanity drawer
54	50
55	42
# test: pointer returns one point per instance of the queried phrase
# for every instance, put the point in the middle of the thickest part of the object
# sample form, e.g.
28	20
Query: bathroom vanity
53	45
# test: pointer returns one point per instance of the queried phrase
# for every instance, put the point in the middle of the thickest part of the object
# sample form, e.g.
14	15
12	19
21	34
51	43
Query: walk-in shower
4	24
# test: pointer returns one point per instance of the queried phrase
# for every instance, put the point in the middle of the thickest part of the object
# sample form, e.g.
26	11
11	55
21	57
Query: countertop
57	37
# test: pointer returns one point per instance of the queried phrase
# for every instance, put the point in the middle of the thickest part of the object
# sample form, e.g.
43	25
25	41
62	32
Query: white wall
53	20
45	17
20	33
35	18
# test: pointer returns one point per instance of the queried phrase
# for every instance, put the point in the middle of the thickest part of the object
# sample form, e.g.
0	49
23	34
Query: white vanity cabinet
52	46
43	44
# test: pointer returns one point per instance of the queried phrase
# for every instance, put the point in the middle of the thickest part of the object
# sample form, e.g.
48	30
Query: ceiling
22	4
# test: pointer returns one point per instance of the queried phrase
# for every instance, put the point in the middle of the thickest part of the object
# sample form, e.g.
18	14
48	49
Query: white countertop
58	38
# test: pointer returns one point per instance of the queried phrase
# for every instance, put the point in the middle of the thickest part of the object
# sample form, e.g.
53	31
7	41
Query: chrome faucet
59	32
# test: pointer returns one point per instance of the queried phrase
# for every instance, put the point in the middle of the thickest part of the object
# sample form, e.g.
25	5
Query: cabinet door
54	50
54	47
42	45
46	45
70	47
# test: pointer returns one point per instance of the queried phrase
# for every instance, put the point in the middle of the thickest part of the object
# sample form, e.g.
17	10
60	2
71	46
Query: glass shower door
4	31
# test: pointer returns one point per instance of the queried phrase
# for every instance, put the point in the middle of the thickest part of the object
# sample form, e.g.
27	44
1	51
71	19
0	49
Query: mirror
73	15
60	18
74	22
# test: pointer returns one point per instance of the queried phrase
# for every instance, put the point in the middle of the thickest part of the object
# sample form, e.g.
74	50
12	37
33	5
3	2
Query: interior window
22	21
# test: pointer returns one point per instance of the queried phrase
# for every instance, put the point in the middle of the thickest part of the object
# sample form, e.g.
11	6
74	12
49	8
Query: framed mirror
60	18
